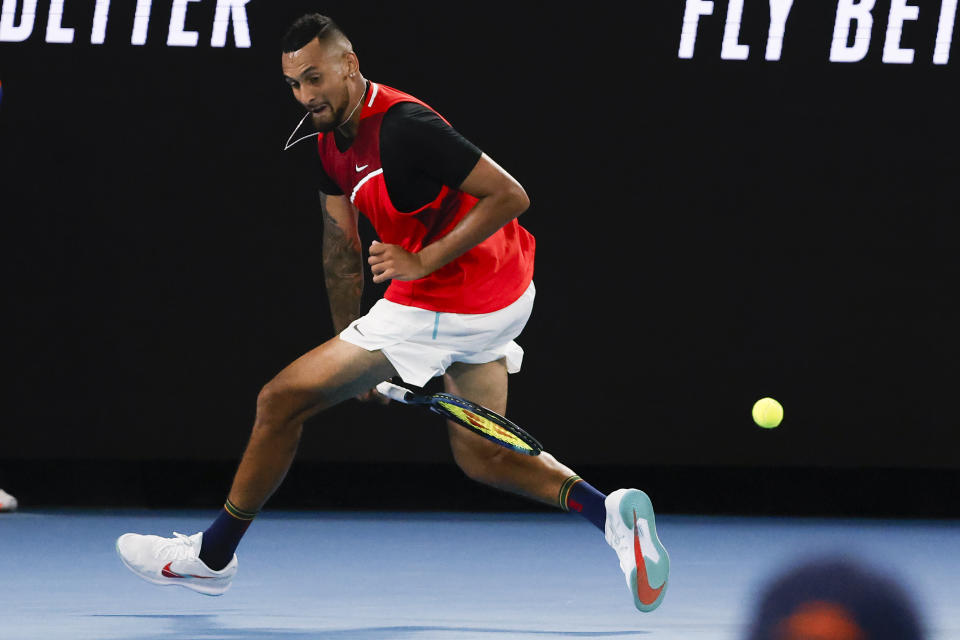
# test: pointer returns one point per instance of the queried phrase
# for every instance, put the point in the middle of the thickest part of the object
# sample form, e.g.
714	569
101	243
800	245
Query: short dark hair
306	28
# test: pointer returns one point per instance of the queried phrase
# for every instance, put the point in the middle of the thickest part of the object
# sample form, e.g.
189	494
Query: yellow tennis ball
767	413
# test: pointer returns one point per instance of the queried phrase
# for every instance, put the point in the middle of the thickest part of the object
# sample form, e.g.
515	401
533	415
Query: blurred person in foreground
834	598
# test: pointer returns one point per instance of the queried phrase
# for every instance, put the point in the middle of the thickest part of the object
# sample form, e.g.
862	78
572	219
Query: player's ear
351	64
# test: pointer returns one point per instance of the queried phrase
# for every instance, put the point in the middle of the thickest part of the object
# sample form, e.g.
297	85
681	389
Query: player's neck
358	91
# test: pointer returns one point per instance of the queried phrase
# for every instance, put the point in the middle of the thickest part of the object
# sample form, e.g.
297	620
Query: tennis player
460	273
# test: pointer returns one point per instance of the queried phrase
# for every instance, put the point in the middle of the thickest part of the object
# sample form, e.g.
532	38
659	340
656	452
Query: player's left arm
500	199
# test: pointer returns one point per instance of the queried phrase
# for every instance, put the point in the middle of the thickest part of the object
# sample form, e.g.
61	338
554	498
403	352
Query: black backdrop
709	232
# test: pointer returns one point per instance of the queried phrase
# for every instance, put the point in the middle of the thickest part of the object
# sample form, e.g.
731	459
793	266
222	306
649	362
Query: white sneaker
632	533
7	501
174	561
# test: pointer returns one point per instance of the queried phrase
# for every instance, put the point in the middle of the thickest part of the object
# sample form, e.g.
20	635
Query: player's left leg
625	516
205	562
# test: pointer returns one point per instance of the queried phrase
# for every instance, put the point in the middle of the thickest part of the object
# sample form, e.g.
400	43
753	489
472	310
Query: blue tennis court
359	575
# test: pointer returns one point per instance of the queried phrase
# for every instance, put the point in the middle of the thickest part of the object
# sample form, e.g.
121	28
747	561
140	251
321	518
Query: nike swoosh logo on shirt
359	168
167	573
645	593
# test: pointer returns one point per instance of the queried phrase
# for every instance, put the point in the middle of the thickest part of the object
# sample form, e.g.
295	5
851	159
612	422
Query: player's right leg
318	380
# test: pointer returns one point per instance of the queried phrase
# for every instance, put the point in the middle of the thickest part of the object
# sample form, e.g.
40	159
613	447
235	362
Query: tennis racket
480	420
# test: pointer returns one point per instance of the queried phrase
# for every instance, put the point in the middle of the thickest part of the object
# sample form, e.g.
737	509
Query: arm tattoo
343	270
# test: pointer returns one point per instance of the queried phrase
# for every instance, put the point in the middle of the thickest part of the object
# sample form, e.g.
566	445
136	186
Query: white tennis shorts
421	344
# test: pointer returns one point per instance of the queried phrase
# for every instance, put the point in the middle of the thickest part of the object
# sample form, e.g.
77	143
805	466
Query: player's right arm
342	259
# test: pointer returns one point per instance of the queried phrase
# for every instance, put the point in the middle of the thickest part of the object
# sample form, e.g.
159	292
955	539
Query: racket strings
487	426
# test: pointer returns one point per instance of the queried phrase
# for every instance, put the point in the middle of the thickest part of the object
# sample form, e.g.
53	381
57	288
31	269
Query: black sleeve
427	144
323	181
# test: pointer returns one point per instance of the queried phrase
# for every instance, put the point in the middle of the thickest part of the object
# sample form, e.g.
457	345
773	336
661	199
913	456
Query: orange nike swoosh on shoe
645	593
167	573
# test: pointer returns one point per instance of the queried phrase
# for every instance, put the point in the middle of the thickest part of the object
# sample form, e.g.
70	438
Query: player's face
317	75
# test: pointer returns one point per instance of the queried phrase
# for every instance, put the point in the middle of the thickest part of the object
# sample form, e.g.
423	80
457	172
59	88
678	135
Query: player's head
319	65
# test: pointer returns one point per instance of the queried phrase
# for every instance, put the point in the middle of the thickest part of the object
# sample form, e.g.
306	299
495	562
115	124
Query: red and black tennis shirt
402	171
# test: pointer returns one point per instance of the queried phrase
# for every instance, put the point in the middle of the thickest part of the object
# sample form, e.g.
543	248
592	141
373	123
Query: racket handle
395	392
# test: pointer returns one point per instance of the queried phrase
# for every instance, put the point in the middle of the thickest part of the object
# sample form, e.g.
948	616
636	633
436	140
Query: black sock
222	537
577	495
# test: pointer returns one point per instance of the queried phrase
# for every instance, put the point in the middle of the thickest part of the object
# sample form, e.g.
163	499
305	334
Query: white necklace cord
355	108
297	128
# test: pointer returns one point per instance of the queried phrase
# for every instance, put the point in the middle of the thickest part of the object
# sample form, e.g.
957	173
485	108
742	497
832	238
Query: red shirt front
486	278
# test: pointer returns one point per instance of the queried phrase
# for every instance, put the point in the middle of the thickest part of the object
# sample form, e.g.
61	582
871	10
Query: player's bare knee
273	407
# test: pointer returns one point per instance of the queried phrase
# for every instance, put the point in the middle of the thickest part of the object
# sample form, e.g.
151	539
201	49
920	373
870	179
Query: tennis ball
767	413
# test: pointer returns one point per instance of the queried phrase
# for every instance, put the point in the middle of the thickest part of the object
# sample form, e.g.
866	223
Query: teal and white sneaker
631	531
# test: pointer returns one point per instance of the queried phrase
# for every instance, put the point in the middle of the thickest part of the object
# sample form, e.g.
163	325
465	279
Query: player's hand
393	262
373	396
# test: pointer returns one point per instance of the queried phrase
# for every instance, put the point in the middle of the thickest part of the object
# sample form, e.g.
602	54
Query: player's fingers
386	274
373	396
